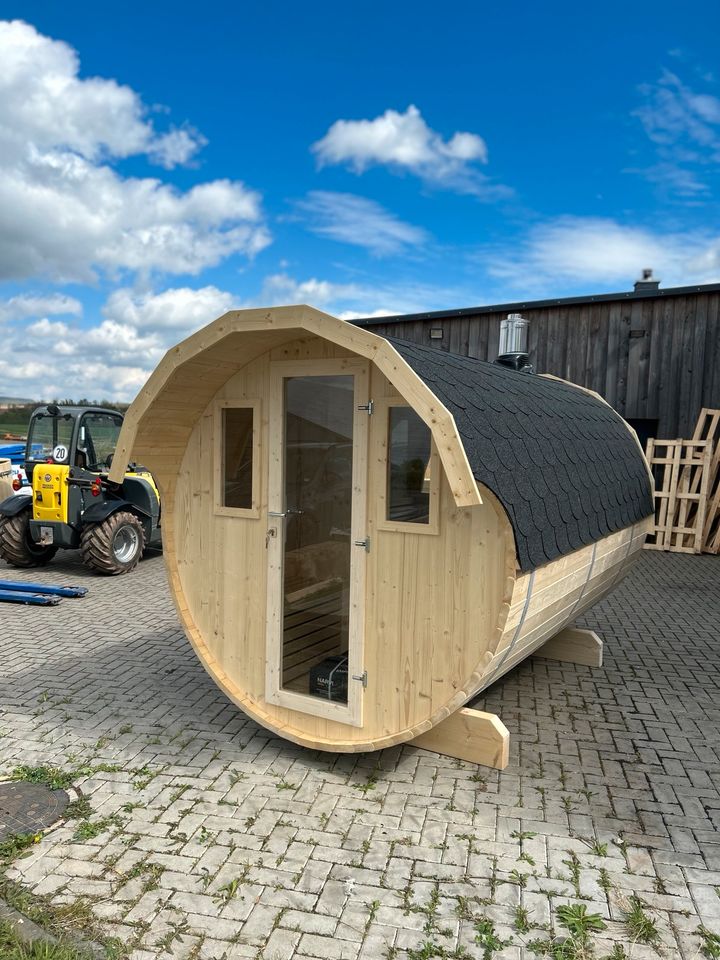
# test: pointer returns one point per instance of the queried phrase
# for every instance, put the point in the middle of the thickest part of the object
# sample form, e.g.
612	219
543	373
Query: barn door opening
316	537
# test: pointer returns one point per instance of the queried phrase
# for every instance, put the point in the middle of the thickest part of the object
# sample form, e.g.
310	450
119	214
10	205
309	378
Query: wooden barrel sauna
362	533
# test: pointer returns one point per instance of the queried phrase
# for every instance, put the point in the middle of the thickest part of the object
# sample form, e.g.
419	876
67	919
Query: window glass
47	433
97	439
319	414
408	466
237	480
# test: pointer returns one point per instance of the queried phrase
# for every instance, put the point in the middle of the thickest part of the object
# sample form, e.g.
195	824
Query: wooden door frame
305	703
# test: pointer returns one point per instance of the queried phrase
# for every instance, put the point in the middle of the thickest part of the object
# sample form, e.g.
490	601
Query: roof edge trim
362	342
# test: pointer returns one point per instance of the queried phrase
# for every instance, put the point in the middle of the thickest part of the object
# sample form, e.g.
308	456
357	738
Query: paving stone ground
211	838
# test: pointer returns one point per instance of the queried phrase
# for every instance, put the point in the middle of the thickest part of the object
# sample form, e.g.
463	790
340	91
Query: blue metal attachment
34	599
22	587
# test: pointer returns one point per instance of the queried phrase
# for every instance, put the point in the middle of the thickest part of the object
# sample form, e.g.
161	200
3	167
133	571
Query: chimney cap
647	281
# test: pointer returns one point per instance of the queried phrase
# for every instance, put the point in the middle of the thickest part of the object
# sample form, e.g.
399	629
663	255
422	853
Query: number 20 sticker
60	452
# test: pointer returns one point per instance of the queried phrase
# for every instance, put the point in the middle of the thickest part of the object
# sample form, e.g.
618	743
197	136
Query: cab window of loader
46	434
97	439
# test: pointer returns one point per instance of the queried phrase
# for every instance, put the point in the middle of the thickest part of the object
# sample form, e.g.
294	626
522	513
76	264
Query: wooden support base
573	645
469	735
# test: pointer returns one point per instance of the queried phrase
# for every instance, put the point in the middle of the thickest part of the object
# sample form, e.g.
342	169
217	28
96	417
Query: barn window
411	473
237	459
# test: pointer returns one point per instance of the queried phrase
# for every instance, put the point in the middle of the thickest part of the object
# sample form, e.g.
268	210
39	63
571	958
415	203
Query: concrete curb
27	931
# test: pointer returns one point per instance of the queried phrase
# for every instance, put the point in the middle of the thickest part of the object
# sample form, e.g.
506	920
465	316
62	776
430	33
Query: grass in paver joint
74	919
573	865
78	809
617	953
487	938
580	925
61	920
640	926
599	849
53	777
710	943
89	829
369	784
15	846
523	835
13	949
433	951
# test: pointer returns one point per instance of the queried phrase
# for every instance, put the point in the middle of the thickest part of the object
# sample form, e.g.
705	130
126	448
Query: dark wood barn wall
650	358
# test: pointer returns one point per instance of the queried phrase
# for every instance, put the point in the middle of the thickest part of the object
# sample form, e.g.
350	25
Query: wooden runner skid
682	474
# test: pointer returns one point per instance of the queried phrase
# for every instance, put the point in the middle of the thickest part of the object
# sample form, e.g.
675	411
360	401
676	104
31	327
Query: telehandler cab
73	504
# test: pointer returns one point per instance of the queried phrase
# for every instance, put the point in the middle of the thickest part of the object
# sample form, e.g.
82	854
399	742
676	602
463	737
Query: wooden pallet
682	473
708	428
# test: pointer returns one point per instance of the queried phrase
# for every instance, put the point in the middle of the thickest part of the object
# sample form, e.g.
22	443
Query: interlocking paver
220	840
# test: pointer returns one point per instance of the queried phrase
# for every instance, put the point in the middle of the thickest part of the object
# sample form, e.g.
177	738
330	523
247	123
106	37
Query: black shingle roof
562	463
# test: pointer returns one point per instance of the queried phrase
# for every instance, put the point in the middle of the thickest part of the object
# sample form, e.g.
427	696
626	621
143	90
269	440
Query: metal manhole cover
29	808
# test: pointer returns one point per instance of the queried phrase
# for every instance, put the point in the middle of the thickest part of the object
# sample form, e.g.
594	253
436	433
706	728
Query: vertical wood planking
695	401
668	374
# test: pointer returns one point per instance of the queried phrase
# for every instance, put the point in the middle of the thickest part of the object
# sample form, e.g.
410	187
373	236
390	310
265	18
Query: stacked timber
687	489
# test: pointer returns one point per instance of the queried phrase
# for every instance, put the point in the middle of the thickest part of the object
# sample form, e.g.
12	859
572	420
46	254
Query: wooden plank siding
651	357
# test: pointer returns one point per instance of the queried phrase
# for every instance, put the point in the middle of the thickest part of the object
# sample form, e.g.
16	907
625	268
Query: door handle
290	512
276	513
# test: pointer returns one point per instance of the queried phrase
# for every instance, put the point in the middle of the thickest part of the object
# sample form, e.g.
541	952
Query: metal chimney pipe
513	334
513	343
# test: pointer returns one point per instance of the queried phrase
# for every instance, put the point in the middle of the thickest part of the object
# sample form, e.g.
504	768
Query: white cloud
45	358
356	220
359	315
673	112
684	127
65	212
112	359
176	310
405	143
350	301
43	101
28	305
602	251
280	288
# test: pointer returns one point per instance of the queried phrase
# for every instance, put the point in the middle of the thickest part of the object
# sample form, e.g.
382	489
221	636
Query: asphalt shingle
554	455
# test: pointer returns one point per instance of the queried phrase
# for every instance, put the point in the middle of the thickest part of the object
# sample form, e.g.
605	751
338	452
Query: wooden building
363	533
653	354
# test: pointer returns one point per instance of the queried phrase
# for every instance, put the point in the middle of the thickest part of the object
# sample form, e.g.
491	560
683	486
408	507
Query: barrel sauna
363	533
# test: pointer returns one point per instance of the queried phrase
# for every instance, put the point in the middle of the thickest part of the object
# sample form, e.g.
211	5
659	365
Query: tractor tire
115	545
17	547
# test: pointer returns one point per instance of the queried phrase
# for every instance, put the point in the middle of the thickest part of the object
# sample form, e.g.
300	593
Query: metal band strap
584	587
497	670
627	554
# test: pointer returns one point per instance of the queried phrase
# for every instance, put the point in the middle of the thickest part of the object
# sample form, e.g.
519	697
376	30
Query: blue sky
158	167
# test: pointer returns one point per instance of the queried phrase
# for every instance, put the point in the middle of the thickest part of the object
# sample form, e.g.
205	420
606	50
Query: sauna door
316	537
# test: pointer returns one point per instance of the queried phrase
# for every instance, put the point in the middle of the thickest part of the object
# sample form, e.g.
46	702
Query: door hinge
364	543
369	406
362	677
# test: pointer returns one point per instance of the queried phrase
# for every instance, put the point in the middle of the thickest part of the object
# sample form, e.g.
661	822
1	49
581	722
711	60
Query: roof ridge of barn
565	466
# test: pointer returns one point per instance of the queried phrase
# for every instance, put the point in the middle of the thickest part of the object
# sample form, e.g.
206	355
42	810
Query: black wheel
115	545
17	547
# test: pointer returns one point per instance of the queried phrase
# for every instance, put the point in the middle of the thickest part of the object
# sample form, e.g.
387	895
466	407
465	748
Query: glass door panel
318	418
